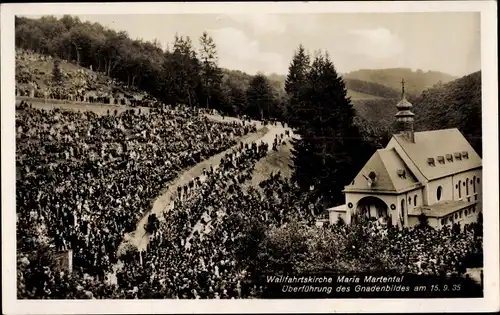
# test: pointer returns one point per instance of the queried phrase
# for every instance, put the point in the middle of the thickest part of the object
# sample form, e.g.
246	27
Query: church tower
404	117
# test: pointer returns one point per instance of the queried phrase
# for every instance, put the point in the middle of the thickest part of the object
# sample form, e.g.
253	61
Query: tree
183	70
211	74
329	138
259	97
57	78
296	84
423	221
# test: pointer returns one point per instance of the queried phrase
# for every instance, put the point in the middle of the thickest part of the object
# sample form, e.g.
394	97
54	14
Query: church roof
441	209
392	175
440	153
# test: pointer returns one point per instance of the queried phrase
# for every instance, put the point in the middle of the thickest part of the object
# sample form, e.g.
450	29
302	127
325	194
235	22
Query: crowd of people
80	85
87	179
84	180
421	250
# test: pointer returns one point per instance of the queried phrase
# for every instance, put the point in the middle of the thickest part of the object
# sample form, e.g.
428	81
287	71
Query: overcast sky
447	42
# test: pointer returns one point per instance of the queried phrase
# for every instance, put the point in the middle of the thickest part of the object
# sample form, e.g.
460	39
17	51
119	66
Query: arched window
409	201
403	210
439	192
474	184
415	201
459	189
467	187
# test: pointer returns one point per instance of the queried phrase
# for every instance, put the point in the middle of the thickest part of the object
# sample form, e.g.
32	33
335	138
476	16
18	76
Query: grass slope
273	162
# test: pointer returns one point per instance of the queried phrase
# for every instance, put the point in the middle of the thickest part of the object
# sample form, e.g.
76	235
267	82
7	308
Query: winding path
165	202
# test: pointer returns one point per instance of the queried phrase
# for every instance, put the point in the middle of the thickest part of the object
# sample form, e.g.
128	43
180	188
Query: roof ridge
410	158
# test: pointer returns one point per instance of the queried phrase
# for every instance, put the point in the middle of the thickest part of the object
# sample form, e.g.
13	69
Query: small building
436	173
336	213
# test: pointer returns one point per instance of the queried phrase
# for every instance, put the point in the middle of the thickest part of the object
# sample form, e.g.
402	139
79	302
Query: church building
436	173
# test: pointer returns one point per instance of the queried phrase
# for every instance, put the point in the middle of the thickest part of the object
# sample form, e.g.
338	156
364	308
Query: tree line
333	144
179	74
456	104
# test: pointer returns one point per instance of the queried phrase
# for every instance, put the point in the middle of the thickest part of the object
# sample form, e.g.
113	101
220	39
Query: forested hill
416	81
456	104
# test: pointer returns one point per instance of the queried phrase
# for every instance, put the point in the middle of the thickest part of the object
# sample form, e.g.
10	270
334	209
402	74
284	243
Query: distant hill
456	104
371	88
356	89
378	111
416	81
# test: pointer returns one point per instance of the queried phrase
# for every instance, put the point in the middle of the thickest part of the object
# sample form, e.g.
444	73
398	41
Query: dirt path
139	238
164	202
98	108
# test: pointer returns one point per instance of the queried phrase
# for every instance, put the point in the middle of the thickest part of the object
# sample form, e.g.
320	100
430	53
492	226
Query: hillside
416	81
356	89
35	70
456	104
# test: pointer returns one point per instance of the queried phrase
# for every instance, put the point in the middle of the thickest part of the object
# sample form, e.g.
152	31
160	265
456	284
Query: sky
447	41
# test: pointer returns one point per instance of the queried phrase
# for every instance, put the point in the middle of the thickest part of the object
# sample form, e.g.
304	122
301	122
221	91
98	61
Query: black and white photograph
239	153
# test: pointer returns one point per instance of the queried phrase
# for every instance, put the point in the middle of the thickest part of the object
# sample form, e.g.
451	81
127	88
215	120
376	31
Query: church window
442	221
456	216
478	180
440	159
409	200
459	189
439	192
474	184
474	210
467	187
402	173
430	161
465	154
460	214
449	157
415	201
403	209
457	155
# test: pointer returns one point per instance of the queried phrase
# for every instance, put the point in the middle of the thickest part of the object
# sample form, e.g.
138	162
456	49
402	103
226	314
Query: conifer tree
330	149
211	74
259	97
296	84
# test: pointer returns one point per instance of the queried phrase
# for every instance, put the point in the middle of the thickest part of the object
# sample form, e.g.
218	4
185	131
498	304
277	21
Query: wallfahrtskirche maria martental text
339	279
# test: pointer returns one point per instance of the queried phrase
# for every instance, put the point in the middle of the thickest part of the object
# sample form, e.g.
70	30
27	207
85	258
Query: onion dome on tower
405	117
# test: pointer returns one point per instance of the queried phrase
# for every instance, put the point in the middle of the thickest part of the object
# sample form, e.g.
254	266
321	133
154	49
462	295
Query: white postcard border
489	66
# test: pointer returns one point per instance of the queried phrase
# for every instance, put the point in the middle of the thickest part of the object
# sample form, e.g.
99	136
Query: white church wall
450	189
414	198
465	193
446	191
401	215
